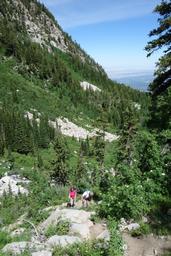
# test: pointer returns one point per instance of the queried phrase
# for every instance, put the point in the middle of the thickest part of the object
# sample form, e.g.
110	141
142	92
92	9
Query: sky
113	32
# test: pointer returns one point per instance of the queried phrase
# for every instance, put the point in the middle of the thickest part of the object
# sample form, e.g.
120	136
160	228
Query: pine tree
59	164
99	143
2	137
126	140
22	142
2	144
80	171
160	87
39	161
163	33
44	132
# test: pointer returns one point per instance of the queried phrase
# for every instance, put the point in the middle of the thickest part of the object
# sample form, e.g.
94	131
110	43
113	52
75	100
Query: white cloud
72	13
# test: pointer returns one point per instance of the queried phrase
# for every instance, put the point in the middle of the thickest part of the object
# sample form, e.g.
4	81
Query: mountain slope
43	69
41	27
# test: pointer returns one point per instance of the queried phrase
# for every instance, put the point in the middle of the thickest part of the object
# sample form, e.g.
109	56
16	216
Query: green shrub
144	229
125	196
115	243
93	248
4	239
62	228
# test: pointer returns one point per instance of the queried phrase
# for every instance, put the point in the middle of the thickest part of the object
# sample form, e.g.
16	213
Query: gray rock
16	247
104	235
72	215
133	226
10	184
19	247
128	225
82	229
42	253
62	241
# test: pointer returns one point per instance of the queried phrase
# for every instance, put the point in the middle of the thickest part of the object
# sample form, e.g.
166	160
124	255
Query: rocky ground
13	184
71	129
81	228
146	246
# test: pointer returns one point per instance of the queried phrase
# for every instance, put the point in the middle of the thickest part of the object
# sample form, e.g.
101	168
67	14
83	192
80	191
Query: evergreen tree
22	142
163	33
39	161
2	142
160	87
126	140
44	137
99	143
80	171
59	164
2	146
99	148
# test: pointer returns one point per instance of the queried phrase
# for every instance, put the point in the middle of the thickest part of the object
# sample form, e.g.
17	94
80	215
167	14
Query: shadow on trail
160	218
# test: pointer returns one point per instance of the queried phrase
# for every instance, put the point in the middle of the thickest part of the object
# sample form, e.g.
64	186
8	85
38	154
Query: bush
93	248
97	247
4	239
115	243
125	197
62	228
144	229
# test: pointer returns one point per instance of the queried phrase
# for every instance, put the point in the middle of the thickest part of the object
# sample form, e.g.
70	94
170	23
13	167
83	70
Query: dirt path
146	246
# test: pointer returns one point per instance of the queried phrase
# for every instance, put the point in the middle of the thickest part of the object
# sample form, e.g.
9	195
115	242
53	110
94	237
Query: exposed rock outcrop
87	86
62	241
68	128
11	184
81	228
42	253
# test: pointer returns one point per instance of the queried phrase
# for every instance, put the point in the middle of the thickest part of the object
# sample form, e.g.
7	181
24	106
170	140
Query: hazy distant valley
140	82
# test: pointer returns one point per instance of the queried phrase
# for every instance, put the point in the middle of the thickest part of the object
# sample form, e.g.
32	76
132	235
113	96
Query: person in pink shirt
72	196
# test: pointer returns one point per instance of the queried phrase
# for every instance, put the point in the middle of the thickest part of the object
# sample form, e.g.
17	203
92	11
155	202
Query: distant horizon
131	73
111	32
140	82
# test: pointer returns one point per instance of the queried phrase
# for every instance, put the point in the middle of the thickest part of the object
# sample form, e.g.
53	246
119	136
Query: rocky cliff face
37	21
39	24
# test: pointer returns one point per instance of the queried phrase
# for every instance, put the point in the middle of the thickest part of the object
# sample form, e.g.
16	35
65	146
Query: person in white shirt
86	197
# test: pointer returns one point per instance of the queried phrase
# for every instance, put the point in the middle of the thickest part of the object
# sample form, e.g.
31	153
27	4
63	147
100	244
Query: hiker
72	196
86	197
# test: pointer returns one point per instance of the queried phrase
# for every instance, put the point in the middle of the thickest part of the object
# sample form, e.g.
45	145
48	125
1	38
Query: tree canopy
162	33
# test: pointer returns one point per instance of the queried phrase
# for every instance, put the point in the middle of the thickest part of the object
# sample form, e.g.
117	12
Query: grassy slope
32	94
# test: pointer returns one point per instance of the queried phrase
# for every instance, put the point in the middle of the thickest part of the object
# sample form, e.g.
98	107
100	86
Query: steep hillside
41	27
48	77
64	123
38	51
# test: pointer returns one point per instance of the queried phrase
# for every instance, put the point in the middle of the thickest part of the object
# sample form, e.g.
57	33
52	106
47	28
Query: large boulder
9	184
15	248
42	253
62	241
80	223
128	225
105	235
72	215
133	226
18	247
82	229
